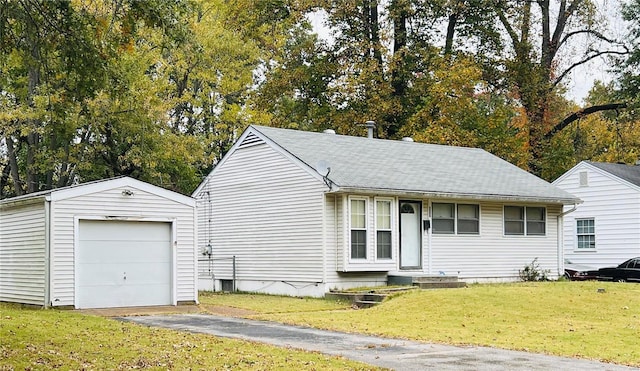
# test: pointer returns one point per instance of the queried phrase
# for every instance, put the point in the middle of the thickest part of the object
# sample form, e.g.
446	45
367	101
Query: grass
562	318
35	339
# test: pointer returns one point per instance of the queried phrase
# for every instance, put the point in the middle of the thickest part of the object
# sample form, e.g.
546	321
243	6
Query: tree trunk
13	164
451	29
374	32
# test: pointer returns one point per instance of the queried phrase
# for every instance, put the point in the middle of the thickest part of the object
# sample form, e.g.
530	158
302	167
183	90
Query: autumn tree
56	59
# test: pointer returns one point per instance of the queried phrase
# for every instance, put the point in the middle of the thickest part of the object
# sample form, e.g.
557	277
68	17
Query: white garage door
122	264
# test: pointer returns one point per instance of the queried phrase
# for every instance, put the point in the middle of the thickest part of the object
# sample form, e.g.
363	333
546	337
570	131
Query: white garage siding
267	211
111	204
22	253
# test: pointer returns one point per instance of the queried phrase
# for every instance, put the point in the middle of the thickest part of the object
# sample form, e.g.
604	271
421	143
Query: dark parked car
579	272
627	271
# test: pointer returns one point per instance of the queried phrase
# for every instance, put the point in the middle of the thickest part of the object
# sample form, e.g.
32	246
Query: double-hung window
468	219
586	233
383	229
358	226
449	218
524	220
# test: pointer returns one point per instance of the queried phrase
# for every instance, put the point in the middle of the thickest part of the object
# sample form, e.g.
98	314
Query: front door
410	235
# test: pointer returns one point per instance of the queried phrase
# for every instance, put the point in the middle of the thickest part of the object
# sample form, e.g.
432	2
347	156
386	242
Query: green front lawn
563	318
35	339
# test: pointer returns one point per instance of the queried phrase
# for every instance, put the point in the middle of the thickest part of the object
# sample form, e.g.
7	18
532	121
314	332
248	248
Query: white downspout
560	242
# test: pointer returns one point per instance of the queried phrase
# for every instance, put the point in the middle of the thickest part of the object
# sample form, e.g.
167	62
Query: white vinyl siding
110	204
268	212
490	255
22	253
615	207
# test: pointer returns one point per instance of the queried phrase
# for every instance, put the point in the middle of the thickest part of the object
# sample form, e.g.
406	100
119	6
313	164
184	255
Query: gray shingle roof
398	166
630	173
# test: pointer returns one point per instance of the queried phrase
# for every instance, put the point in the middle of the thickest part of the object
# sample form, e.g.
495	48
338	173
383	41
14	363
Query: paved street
383	352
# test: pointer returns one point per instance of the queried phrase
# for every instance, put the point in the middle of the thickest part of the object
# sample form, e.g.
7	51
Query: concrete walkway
382	352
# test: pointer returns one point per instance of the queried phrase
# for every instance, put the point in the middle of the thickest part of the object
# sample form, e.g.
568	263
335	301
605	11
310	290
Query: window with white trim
586	233
468	220
358	227
383	228
524	220
449	218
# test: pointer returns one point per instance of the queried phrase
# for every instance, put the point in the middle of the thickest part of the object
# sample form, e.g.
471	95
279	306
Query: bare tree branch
587	59
581	113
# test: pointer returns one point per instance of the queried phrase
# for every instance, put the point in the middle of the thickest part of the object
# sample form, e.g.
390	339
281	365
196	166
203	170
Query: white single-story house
301	213
111	243
605	229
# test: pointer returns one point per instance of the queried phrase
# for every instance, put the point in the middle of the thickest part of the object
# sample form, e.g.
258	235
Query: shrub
532	272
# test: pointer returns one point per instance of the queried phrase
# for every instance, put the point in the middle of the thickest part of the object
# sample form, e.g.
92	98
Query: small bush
532	272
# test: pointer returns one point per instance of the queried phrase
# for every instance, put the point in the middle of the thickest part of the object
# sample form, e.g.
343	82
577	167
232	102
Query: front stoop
427	281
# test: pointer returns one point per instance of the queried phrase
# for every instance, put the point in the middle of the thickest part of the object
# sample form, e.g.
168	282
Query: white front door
410	235
122	263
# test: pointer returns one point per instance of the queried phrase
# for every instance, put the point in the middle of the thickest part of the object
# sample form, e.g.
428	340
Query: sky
581	79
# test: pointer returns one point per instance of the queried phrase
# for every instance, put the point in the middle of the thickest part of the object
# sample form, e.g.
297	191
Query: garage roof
99	186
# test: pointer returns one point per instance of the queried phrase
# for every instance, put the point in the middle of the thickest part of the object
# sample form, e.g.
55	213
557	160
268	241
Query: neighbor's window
358	223
521	220
443	218
468	219
383	229
449	219
586	232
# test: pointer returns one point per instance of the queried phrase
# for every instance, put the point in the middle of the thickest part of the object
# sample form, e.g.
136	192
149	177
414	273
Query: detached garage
113	243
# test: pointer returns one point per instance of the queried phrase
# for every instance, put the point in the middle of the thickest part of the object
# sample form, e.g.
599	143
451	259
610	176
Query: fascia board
290	156
278	148
466	196
612	176
82	190
569	172
224	159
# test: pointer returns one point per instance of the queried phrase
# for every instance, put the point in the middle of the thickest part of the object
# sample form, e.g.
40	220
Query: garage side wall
113	205
22	254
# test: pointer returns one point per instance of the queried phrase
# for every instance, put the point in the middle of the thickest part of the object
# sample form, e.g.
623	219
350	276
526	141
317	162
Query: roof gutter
453	195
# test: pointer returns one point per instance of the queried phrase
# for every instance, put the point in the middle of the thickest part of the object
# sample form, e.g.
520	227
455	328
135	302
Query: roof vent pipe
370	126
329	131
407	139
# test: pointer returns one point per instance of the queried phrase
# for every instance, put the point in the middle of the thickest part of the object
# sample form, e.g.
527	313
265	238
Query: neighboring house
111	243
605	229
307	212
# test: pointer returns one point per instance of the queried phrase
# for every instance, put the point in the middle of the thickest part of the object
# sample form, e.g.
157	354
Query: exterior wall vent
251	140
407	139
329	131
584	179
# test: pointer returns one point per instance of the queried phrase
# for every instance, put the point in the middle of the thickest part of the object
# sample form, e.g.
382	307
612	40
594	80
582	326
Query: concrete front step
426	281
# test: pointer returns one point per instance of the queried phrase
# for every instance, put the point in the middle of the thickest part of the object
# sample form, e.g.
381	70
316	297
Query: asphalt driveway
382	352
